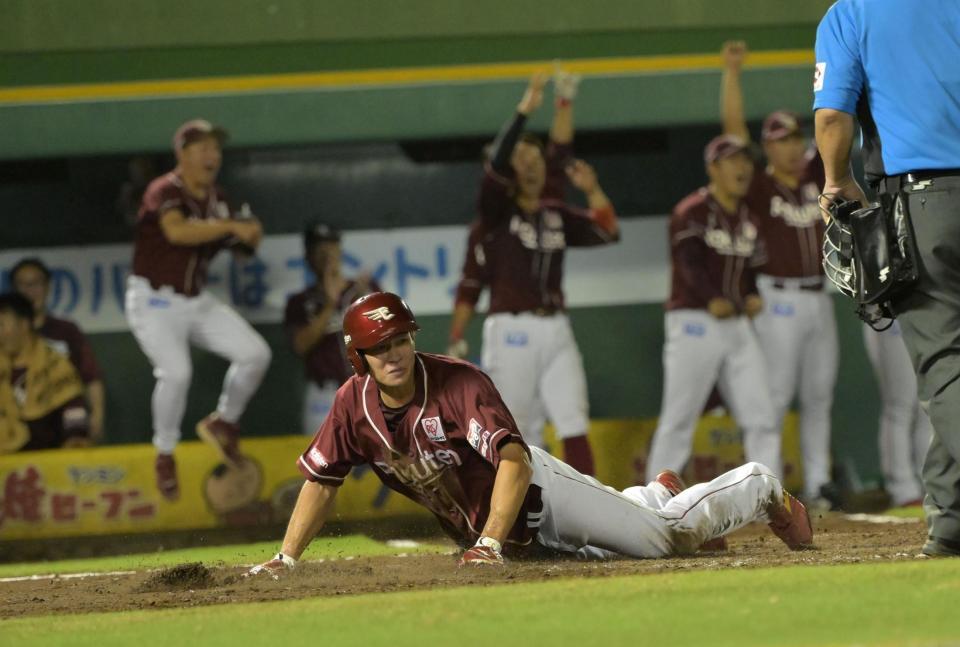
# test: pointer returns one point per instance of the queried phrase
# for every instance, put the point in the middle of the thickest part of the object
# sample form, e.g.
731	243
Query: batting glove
275	567
565	85
485	552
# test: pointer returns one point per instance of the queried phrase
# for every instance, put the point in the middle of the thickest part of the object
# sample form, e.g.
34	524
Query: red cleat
167	483
790	522
223	436
672	481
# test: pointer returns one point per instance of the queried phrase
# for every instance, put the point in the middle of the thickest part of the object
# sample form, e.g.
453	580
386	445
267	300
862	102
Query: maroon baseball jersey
790	221
520	256
52	430
443	454
66	338
713	253
327	360
182	267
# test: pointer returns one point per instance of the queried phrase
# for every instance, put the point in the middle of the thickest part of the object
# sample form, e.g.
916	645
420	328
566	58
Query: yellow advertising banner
111	490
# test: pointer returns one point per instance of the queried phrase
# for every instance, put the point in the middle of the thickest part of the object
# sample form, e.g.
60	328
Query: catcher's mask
371	320
838	262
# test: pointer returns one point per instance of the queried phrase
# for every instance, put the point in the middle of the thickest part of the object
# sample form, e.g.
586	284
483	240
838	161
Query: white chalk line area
393	543
63	576
880	518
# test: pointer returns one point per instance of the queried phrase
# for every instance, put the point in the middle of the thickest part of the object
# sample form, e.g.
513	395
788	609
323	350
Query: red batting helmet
371	320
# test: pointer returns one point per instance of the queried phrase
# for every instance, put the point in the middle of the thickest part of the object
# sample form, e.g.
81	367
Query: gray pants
930	320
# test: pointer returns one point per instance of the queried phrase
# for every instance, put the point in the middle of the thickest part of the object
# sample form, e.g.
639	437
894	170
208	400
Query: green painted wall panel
394	113
51	25
20	69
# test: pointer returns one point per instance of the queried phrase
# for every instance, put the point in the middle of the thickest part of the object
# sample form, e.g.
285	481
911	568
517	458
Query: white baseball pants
536	365
317	402
798	334
165	324
701	351
905	429
582	515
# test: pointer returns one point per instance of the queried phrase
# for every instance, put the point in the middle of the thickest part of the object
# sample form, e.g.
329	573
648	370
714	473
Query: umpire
894	64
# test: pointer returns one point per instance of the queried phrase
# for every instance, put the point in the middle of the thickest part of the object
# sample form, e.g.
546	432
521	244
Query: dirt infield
838	540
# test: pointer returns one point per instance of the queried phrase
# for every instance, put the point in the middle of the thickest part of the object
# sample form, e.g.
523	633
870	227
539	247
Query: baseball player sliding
797	328
436	430
516	248
714	247
184	222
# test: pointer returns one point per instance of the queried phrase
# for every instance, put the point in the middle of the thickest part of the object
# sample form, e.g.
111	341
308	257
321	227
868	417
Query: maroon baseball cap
779	124
723	146
196	129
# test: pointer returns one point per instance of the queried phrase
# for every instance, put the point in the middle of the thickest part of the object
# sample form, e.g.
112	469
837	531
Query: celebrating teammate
714	247
314	318
31	278
184	222
517	248
436	430
797	328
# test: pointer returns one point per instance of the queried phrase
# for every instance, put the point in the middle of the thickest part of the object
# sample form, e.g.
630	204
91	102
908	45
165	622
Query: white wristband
288	561
491	543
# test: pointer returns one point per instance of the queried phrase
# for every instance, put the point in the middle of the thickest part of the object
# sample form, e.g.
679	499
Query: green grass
323	547
909	603
913	512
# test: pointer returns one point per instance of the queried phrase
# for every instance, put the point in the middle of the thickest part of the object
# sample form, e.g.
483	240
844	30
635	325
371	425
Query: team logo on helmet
379	314
347	339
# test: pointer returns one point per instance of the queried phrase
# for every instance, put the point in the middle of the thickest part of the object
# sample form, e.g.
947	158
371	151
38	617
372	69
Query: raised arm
731	94
502	148
564	92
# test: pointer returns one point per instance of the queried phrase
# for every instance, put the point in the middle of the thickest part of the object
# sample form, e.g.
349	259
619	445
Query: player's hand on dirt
733	53
486	552
582	176
753	305
276	567
533	96
565	83
721	308
458	348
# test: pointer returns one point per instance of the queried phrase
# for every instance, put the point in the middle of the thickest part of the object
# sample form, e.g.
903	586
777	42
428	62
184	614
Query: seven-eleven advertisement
111	490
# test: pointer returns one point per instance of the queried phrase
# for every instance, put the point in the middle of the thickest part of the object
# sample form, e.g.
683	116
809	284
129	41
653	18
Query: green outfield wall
119	76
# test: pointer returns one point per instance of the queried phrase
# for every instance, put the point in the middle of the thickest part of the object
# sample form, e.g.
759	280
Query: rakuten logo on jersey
430	466
740	244
795	215
551	238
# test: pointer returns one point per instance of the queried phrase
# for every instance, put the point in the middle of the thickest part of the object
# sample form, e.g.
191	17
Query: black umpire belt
893	183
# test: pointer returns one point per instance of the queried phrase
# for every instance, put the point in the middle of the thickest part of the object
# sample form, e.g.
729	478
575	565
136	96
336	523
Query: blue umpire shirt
895	64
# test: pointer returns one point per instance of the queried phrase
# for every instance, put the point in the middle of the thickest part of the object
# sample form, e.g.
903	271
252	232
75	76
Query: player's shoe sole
790	522
220	440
